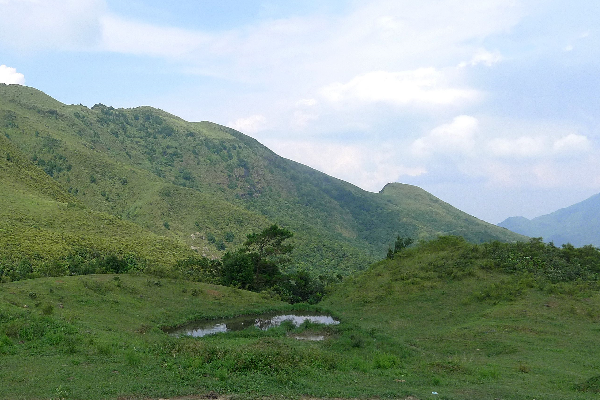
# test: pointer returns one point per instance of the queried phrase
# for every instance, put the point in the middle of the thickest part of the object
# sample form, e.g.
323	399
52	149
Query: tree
256	265
400	244
269	243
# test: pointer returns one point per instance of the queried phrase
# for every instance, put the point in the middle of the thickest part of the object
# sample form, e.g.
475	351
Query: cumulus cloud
423	86
51	24
484	57
571	144
534	147
249	125
522	147
456	137
11	76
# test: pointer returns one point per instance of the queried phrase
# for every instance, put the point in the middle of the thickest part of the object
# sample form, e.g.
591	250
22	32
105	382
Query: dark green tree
400	244
256	265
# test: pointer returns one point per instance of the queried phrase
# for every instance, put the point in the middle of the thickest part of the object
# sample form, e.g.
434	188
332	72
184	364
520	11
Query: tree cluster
256	267
400	244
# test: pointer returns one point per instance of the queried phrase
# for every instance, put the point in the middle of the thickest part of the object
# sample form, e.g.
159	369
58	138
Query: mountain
206	186
41	224
578	224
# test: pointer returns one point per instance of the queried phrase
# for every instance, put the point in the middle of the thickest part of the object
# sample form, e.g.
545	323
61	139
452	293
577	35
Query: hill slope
578	224
41	224
490	321
483	321
208	186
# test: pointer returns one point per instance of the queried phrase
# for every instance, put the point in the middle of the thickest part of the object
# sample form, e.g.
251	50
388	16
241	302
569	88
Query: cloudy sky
493	106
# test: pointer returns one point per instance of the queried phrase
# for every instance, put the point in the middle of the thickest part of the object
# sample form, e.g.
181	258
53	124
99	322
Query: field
443	320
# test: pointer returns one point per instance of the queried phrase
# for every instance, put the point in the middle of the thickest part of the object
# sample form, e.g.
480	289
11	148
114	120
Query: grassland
442	320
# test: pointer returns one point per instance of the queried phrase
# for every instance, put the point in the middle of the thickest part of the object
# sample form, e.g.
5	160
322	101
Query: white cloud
456	137
11	76
484	57
522	147
367	166
306	102
423	86
571	143
249	125
131	37
50	24
538	147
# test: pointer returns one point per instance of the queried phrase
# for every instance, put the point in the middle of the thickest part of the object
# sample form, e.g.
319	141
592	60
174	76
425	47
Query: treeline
256	266
543	261
81	261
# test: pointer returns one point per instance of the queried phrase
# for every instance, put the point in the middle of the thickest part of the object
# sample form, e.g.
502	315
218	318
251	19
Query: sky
492	106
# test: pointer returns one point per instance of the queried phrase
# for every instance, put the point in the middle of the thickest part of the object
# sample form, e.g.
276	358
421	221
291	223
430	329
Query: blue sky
492	106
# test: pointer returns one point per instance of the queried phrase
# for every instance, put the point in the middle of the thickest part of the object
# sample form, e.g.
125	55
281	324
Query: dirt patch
213	293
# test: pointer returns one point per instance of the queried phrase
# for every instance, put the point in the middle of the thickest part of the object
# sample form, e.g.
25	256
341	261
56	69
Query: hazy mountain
578	224
207	186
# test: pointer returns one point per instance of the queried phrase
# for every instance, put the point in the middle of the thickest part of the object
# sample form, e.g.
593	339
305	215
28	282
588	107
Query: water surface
263	322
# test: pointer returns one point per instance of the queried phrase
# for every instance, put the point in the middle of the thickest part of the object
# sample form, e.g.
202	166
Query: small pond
264	322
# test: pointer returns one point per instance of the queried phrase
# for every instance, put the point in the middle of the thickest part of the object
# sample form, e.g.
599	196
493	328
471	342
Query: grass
482	333
437	318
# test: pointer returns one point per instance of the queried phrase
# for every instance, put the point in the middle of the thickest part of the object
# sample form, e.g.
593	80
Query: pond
263	322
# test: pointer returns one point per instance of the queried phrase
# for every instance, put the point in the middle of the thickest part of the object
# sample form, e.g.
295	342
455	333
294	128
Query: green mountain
578	224
488	321
206	186
41	224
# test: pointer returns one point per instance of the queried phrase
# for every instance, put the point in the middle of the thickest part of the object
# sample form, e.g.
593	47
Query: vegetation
205	186
493	320
400	244
465	321
45	231
117	225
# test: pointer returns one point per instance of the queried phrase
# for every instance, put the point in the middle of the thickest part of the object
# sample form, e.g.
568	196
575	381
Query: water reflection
263	322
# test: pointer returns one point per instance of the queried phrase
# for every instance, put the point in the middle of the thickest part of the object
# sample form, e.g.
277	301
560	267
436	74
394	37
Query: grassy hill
42	226
578	224
507	321
207	186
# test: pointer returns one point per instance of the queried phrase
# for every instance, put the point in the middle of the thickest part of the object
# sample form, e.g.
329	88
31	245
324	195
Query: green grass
476	332
99	336
41	224
444	316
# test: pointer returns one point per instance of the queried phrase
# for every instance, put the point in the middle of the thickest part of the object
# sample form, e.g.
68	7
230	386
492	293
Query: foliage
400	244
256	266
544	260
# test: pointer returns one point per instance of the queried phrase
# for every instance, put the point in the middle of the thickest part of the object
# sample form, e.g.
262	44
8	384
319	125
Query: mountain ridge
578	224
207	186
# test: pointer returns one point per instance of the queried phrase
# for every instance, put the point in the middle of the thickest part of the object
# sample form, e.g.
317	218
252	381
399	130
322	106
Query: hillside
504	321
490	321
207	186
41	225
578	224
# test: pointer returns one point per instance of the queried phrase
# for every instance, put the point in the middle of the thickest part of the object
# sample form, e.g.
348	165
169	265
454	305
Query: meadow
444	319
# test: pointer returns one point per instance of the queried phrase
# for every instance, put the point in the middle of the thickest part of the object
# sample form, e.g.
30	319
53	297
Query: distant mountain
578	224
206	186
